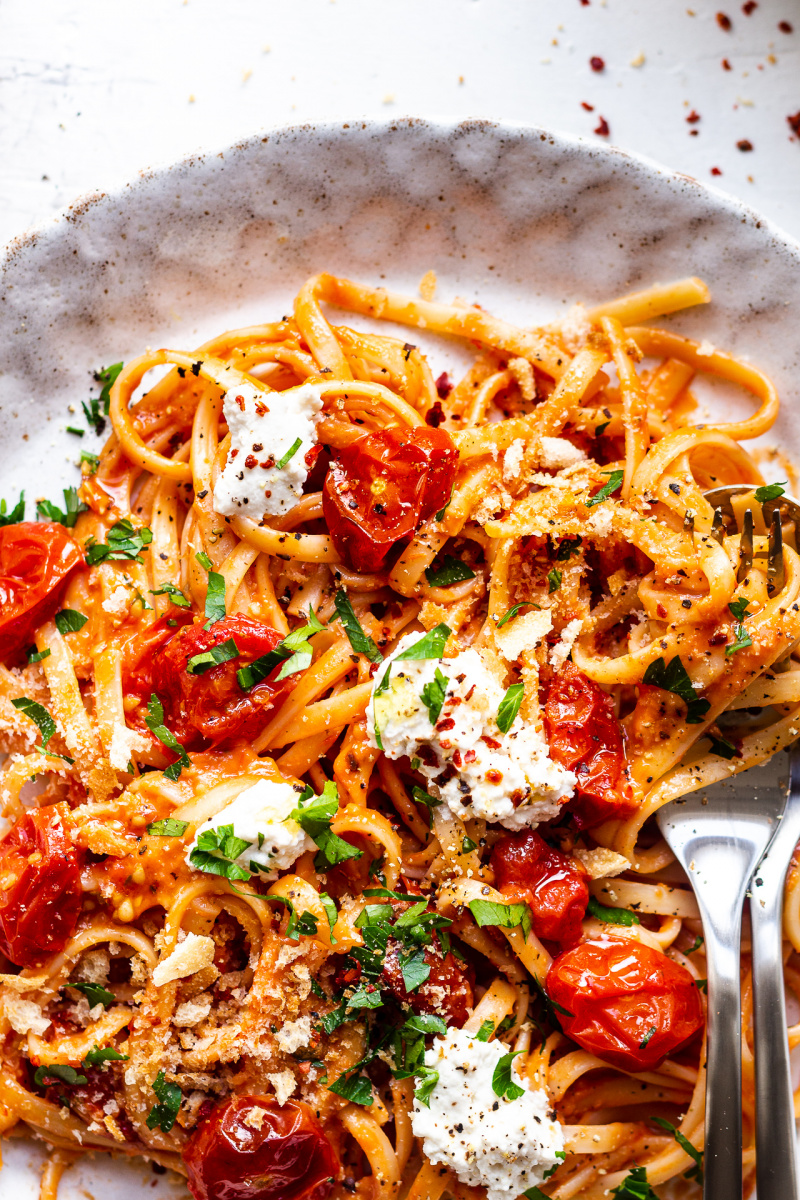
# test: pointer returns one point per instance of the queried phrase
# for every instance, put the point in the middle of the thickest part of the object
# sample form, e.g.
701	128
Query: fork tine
776	574
745	547
717	526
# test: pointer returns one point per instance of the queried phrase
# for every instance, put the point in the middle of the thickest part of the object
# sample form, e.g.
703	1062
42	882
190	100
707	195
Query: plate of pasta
367	610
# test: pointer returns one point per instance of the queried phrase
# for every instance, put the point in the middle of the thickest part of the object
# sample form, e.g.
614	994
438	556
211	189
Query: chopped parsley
452	570
69	620
485	1032
722	747
155	723
360	641
509	707
49	1074
431	645
554	578
353	1087
216	852
162	1115
123	542
66	517
608	489
295	652
97	409
92	461
647	1037
502	1082
433	695
17	513
168	827
43	720
513	612
611	916
94	993
421	797
198	664
290	453
175	594
567	547
695	1172
635	1187
507	916
467	845
35	655
439	516
215	592
103	1054
675	678
770	491
314	815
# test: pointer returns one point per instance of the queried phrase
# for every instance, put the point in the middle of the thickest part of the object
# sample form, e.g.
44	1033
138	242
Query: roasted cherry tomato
35	562
552	884
382	486
447	991
629	1004
584	735
209	707
252	1148
40	886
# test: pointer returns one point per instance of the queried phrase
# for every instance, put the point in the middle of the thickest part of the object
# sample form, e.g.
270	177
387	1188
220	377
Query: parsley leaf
770	491
608	489
513	612
198	664
415	970
123	541
452	570
92	461
485	1032
354	1087
675	678
507	916
743	640
467	845
290	453
35	655
67	517
103	1054
216	851
215	592
168	827
611	916
421	797
155	723
439	516
502	1083
17	513
44	722
295	649
433	695
554	578
175	594
430	646
739	608
69	620
360	641
428	1081
47	1075
567	547
94	993
722	747
314	815
647	1037
635	1187
509	707
696	1172
97	409
162	1115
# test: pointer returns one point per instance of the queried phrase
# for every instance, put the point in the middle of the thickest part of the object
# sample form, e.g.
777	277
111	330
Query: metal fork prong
718	526
776	1171
776	574
745	547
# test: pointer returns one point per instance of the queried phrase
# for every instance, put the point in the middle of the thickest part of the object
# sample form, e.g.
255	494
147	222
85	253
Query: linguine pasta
163	975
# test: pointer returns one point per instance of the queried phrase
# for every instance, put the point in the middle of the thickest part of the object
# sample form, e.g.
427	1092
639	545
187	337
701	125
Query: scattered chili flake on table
588	107
693	118
785	27
794	123
716	171
724	21
603	128
597	63
726	66
749	7
744	145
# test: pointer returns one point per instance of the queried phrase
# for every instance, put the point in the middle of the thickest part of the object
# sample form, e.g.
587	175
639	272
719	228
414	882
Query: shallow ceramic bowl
521	220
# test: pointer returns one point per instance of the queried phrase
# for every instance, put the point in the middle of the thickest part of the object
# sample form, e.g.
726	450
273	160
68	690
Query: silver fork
719	847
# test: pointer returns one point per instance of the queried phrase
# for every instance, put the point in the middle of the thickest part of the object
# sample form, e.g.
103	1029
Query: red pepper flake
724	21
435	415
744	145
693	118
785	27
444	386
716	171
586	3
603	129
726	66
588	107
596	63
251	461
694	132
794	123
749	7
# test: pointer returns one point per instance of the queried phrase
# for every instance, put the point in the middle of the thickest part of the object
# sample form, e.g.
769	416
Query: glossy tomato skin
584	735
250	1148
552	884
621	994
382	486
40	896
211	707
35	562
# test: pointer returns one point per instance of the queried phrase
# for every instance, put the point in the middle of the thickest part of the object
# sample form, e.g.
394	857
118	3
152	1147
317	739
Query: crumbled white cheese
294	1034
505	1146
512	460
189	956
558	453
260	816
125	744
602	863
706	349
523	633
25	1016
284	1084
474	768
264	426
562	650
575	327
118	603
192	1012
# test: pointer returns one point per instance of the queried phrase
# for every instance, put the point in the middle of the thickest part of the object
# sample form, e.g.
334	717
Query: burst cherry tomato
584	735
630	1004
252	1148
211	706
447	991
382	486
35	562
549	882
40	886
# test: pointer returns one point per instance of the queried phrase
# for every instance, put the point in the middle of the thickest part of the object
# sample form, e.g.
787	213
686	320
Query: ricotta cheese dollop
474	768
260	816
505	1146
265	427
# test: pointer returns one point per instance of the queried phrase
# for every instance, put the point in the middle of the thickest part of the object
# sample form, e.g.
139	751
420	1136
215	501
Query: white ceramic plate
521	220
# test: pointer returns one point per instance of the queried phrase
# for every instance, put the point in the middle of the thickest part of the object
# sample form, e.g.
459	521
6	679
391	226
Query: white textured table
92	92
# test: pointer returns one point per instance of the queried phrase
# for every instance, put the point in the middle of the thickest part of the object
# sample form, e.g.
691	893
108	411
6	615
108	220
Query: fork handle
723	1145
776	1172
